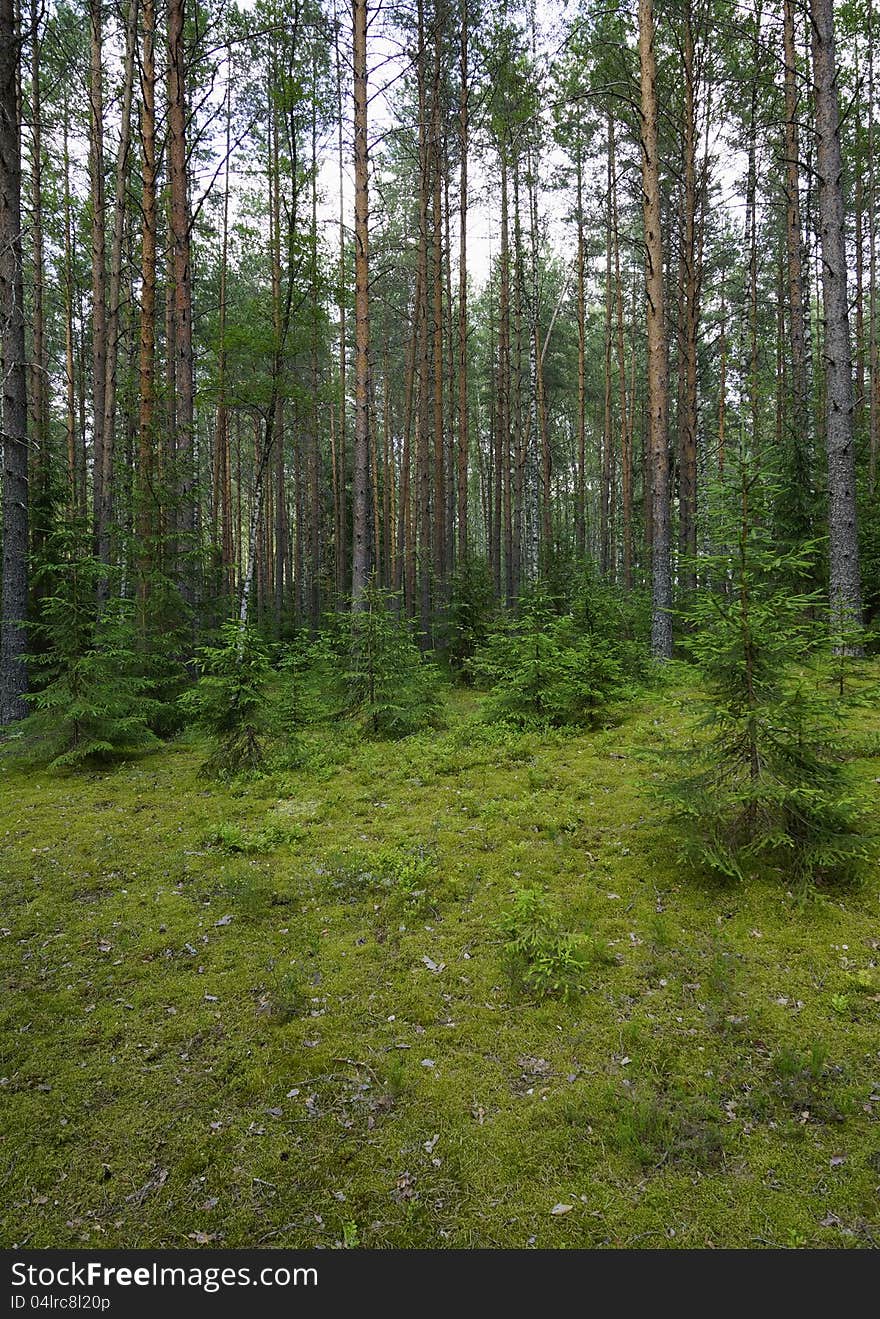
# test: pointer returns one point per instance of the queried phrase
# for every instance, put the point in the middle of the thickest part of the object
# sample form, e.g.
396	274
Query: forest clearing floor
277	1013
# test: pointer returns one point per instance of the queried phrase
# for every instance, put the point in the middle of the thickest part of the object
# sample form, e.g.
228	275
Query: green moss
311	1039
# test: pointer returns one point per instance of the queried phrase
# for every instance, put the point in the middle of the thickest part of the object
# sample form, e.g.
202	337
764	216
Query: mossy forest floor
277	1014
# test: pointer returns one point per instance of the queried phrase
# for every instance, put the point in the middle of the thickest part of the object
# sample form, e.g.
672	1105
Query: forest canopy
298	297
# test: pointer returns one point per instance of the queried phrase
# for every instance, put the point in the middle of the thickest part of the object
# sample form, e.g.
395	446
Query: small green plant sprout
230	700
350	1236
231	838
541	959
865	981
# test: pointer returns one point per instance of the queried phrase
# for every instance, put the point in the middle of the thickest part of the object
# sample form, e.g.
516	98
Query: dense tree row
256	361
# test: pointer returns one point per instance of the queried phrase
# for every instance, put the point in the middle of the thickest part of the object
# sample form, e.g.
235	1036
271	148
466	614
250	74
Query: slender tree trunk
147	359
314	519
423	456
439	531
222	499
626	464
104	511
874	372
580	520
608	417
722	386
99	276
13	672
502	406
687	469
185	519
361	547
750	319
462	472
845	583
658	369
342	476
76	496
797	340
40	493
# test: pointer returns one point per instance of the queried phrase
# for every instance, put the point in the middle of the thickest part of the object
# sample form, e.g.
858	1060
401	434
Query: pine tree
764	786
389	686
90	700
230	699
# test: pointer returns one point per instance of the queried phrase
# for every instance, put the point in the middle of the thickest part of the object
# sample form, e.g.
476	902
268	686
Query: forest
440	616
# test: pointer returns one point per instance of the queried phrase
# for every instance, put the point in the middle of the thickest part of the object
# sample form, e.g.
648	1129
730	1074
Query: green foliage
406	874
287	999
655	1128
230	699
387	684
548	670
91	700
165	637
608	611
765	785
232	839
470	611
540	958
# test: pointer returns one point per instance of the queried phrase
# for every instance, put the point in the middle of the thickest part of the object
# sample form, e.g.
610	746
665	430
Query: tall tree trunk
314	519
342	470
845	582
185	519
658	368
439	528
502	408
687	465
221	508
510	484
874	372
76	495
104	511
423	456
799	426
462	466
99	275
13	672
361	536
608	416
580	519
146	501
40	492
626	463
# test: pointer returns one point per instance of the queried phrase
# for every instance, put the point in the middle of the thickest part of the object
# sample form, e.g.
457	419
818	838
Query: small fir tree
388	684
543	669
765	784
470	612
230	699
91	699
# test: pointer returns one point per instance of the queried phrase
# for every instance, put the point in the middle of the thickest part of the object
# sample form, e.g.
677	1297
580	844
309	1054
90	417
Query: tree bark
99	276
658	368
104	510
147	356
844	579
13	671
40	492
185	519
797	341
462	465
361	535
687	465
